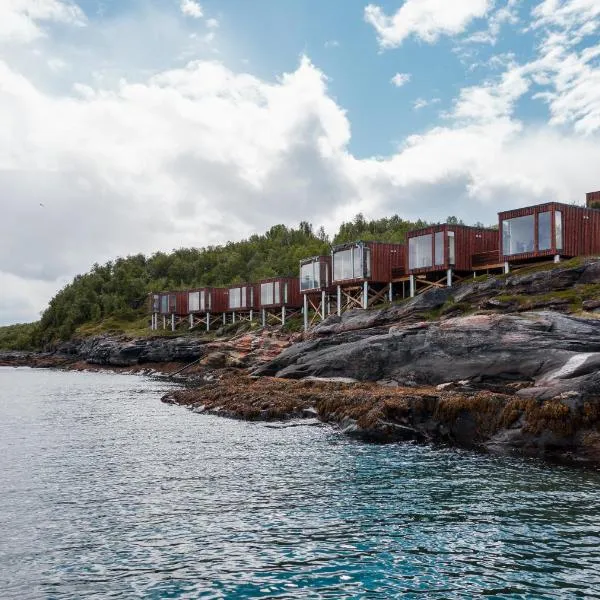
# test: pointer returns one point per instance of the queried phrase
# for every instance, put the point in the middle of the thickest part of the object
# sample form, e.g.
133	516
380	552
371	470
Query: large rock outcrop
551	352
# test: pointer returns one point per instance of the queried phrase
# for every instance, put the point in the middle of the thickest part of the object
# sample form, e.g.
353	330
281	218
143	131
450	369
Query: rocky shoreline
471	366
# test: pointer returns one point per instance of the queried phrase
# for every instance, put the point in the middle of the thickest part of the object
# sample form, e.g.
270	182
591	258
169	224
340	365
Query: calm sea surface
105	492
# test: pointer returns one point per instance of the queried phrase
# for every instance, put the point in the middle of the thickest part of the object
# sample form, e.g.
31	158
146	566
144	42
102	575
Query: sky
133	126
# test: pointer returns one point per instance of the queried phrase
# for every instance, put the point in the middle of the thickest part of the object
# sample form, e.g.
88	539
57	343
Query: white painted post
207	321
233	317
449	278
506	267
224	318
251	315
323	305
557	258
305	312
283	315
191	320
173	322
412	286
391	292
365	295
339	301
164	322
264	317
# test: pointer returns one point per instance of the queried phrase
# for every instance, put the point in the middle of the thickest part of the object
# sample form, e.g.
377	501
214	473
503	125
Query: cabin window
251	296
518	235
451	248
172	303
439	248
419	251
243	300
235	297
164	304
347	264
545	230
276	290
269	293
558	230
194	301
285	293
155	303
366	252
309	276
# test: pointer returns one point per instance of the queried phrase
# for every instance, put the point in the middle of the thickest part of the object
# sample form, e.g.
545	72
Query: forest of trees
120	287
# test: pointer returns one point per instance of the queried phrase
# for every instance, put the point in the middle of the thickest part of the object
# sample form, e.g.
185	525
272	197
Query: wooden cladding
446	246
372	262
548	230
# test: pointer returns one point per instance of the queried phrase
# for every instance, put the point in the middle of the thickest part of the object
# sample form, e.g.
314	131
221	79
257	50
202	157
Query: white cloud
332	44
425	19
190	8
420	103
20	20
212	23
202	154
400	79
506	14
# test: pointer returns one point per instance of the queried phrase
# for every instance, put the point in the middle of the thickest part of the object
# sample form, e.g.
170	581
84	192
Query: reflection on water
107	493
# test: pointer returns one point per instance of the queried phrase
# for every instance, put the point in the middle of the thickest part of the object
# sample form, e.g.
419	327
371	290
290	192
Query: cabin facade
362	272
551	230
278	298
316	288
206	306
241	302
441	253
592	199
171	307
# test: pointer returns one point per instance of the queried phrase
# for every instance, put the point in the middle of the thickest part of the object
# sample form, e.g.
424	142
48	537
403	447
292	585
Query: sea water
105	492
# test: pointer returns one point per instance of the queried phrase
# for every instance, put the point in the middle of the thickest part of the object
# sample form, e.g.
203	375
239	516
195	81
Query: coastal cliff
506	364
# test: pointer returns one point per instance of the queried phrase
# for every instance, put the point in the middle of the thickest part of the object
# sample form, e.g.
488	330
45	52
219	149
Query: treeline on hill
119	288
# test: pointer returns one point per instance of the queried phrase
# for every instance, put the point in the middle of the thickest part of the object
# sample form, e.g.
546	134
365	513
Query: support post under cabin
172	321
164	322
251	315
191	320
412	286
207	321
339	300
365	299
323	306
305	312
557	258
283	315
233	317
391	292
506	268
449	278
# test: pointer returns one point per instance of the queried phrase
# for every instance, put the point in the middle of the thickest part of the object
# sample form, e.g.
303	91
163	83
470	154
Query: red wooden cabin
549	230
278	298
316	288
592	199
442	247
208	299
362	272
242	298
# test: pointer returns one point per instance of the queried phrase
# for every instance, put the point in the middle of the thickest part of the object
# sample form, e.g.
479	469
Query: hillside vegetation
112	297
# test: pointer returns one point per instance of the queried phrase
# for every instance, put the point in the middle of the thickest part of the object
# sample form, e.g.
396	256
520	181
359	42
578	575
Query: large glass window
235	298
285	293
366	252
439	248
155	303
545	230
348	264
172	303
194	301
310	276
558	230
266	293
451	248
518	235
164	304
419	252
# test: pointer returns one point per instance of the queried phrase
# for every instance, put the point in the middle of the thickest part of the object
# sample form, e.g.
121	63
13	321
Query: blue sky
149	125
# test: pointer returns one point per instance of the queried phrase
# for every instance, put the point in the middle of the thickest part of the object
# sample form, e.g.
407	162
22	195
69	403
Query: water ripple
107	493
